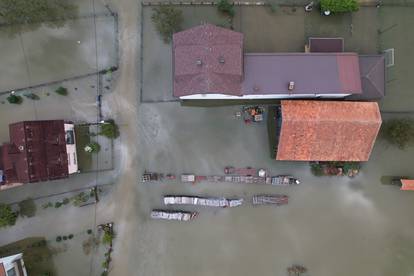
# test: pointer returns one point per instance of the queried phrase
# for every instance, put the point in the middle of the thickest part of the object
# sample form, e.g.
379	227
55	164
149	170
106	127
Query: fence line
62	193
263	3
100	72
85	16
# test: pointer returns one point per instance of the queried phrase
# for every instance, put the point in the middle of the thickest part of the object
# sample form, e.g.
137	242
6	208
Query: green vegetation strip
82	139
271	130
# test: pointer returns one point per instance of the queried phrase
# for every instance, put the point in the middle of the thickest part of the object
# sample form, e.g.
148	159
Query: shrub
109	129
316	169
80	198
61	91
167	20
32	96
274	6
89	231
58	204
14	99
107	237
399	132
70	236
92	147
7	216
27	208
339	6
47	205
58	238
226	7
65	201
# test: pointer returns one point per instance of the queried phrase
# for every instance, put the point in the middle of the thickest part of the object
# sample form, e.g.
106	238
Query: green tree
7	216
27	208
226	7
399	132
109	129
61	91
14	99
167	21
339	6
24	15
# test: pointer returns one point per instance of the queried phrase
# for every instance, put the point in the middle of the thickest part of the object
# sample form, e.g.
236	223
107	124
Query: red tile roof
36	152
2	271
407	184
207	59
328	130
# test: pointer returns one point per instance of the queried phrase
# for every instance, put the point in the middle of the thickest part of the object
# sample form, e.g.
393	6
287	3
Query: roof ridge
368	75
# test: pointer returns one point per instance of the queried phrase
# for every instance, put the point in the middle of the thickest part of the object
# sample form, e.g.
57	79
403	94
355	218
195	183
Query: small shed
407	185
326	44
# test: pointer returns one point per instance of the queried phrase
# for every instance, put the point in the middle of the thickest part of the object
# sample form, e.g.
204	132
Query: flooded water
333	226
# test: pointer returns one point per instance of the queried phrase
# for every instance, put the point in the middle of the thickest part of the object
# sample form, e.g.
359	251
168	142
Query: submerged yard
332	225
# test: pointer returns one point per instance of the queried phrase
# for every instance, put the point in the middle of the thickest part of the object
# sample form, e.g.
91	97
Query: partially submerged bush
399	132
92	147
316	169
14	99
108	237
339	6
109	129
274	6
27	208
7	216
167	21
32	96
61	91
226	7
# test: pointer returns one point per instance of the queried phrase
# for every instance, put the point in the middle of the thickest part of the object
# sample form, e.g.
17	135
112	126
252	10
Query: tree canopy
167	21
339	6
7	216
23	15
399	132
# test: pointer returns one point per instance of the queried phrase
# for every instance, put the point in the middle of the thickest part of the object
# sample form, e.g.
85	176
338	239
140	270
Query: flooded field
333	226
49	54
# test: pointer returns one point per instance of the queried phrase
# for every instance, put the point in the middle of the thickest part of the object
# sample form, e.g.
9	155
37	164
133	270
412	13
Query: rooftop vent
199	62
291	85
222	60
21	148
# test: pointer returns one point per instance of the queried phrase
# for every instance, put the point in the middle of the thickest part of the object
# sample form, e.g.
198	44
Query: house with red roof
209	63
38	151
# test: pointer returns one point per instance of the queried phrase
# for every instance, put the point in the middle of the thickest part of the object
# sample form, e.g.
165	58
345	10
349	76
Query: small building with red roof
327	130
407	185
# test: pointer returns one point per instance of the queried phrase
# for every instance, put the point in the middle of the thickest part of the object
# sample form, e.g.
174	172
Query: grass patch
82	139
272	131
36	255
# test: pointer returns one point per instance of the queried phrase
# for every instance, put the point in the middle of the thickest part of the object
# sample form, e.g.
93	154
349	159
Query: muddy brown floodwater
333	226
